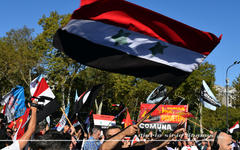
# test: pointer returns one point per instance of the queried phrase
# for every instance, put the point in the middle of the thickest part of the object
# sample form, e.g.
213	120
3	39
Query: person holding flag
22	142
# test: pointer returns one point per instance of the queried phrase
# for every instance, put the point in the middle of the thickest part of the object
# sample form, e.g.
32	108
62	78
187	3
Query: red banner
164	113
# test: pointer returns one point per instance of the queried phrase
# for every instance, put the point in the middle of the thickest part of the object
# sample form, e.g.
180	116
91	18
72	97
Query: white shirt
13	146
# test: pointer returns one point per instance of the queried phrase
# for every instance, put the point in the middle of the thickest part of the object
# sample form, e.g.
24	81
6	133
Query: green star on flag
121	37
158	48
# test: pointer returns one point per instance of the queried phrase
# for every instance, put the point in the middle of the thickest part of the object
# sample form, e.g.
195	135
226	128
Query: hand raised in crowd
130	130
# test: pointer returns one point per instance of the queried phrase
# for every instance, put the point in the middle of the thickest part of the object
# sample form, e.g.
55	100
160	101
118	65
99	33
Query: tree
117	89
190	88
18	59
60	69
236	86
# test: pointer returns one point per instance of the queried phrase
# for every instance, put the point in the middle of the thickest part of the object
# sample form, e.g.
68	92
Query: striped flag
121	37
103	121
86	99
39	87
235	127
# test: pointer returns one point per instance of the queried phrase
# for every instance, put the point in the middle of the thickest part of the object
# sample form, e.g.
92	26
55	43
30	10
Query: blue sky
215	16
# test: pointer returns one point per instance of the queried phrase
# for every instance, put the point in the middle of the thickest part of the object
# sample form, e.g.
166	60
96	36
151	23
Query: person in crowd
114	136
93	143
52	140
222	141
202	144
22	142
77	139
235	145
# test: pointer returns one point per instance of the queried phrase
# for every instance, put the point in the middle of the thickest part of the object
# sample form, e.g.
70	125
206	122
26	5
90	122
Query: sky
215	16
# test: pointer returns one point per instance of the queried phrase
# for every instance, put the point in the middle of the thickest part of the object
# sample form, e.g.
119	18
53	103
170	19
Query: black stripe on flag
110	59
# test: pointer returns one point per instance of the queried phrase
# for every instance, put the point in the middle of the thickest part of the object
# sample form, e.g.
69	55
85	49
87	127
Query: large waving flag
39	87
121	37
207	97
14	103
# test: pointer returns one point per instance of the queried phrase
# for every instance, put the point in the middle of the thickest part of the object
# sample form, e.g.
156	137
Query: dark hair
112	127
4	136
95	129
46	141
215	145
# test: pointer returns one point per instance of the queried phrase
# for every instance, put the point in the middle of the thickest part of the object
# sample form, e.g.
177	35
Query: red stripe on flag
139	19
103	117
42	86
235	125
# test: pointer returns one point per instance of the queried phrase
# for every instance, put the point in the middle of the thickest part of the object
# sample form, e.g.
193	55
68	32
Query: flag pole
199	125
155	107
68	119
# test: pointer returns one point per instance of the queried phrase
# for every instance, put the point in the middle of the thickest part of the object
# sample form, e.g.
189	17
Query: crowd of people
113	138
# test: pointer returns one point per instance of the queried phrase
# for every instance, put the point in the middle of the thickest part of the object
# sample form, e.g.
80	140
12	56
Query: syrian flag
86	99
121	37
103	121
39	87
234	128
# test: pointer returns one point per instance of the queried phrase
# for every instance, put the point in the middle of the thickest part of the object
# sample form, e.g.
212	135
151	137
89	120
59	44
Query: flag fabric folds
20	124
103	121
207	97
63	119
128	120
88	121
47	110
86	99
121	37
14	103
76	97
39	87
235	127
135	140
157	95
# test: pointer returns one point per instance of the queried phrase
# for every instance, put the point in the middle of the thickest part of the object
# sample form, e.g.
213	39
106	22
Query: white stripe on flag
136	44
104	122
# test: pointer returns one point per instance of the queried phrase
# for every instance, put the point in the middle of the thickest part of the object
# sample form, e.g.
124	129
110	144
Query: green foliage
236	86
18	59
190	89
117	89
217	119
61	70
23	57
